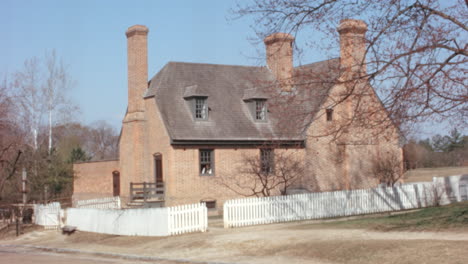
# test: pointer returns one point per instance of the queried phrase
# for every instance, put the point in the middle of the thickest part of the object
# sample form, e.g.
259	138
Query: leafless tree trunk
272	171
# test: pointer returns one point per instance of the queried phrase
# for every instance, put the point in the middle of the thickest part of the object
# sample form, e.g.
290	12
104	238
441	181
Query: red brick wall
93	179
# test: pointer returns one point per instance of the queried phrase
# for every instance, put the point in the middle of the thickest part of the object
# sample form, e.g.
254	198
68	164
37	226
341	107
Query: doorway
158	170
116	183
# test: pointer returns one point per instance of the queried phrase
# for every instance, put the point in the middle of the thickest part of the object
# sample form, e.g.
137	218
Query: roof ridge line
215	64
309	64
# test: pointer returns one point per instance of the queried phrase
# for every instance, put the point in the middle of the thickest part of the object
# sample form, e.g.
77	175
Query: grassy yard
444	218
426	174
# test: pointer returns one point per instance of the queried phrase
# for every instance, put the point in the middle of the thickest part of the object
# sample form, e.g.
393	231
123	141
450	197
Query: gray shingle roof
227	87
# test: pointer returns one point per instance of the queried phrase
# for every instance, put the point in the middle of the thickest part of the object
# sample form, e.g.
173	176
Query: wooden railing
146	190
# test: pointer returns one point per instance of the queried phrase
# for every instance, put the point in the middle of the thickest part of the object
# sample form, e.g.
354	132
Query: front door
158	171
116	183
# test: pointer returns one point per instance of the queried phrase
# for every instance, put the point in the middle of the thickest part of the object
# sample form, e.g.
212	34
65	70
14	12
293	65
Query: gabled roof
226	88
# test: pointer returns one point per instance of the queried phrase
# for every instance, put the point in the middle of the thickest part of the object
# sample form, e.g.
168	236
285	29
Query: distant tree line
39	132
437	151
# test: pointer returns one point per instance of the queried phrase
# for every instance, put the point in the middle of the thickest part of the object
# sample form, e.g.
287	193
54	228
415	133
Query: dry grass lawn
426	174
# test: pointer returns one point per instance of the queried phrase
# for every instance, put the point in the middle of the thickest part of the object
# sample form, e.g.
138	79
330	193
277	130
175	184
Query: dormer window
196	98
256	101
201	108
260	110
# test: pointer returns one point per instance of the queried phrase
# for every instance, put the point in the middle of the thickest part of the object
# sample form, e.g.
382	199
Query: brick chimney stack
279	54
137	56
353	45
133	138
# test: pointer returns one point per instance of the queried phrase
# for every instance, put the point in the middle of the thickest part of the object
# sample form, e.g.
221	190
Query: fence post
202	216
131	191
144	192
169	220
226	214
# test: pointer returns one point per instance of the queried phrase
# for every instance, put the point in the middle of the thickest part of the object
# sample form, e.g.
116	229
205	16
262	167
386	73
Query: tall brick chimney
133	139
137	56
279	54
353	46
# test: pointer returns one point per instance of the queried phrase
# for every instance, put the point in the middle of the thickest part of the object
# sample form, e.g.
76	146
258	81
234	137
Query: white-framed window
200	108
266	160
206	162
260	110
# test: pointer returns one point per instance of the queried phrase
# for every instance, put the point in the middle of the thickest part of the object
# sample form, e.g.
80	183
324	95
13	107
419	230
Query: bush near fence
264	210
141	222
100	203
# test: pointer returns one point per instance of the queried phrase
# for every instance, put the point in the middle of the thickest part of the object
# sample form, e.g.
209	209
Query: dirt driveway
21	256
298	242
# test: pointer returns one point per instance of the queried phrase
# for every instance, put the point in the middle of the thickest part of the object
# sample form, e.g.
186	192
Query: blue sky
89	36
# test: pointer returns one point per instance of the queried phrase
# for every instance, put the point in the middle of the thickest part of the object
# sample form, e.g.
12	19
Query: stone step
149	203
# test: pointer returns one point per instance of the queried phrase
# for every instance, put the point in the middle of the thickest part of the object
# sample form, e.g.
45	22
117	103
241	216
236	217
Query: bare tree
98	140
41	96
270	173
10	139
39	92
388	169
102	141
416	49
414	155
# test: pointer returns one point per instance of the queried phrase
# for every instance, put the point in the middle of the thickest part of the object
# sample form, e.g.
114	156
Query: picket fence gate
100	203
265	210
48	215
187	218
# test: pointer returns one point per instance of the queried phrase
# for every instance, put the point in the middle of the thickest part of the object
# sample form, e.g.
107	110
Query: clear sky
89	36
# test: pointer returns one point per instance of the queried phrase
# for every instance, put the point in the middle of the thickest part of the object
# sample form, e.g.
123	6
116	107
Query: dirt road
20	255
298	242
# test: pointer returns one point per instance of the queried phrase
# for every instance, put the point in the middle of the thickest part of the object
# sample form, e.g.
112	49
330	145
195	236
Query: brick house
192	124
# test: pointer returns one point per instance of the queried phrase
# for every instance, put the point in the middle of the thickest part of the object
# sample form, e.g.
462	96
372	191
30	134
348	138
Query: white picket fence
48	215
100	203
141	222
456	188
264	210
187	218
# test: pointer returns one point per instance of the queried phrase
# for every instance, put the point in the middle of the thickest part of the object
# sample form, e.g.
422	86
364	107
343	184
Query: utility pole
24	178
22	207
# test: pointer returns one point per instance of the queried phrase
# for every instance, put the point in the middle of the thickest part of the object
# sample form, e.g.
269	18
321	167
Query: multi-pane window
201	109
260	110
206	162
266	161
329	112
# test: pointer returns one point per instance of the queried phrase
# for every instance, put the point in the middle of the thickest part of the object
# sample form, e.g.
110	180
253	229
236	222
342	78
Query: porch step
152	203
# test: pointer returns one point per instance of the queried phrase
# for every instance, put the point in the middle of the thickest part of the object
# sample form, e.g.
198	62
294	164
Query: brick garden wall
93	179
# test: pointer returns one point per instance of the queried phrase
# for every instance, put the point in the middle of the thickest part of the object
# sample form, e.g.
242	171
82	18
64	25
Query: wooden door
158	170
116	183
